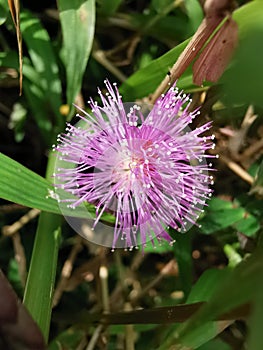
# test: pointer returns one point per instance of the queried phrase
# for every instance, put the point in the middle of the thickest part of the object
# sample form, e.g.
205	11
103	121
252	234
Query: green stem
41	277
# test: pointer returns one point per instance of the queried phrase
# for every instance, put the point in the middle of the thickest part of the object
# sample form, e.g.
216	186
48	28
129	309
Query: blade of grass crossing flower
42	272
77	41
22	186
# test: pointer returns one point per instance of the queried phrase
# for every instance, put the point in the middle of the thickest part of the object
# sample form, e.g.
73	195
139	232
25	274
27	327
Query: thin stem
66	271
94	338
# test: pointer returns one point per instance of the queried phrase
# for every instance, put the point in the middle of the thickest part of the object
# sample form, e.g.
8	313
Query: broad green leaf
226	297
78	22
220	219
3	11
201	291
219	204
215	344
144	81
44	61
243	82
206	285
222	214
183	256
255	323
108	8
257	187
34	93
158	247
195	13
248	225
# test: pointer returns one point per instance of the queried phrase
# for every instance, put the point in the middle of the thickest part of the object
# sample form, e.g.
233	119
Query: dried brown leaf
215	57
8	307
17	328
14	6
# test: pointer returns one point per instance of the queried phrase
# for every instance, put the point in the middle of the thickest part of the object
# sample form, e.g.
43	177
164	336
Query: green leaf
3	11
195	13
40	282
255	322
108	8
42	272
222	214
68	339
220	219
249	225
142	82
215	344
183	256
226	297
201	291
22	186
157	247
257	187
33	91
206	285
78	22
240	84
44	61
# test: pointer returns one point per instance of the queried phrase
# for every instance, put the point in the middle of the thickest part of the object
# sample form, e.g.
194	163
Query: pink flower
149	171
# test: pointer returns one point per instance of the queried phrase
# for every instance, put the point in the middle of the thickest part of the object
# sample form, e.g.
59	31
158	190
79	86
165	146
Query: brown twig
94	338
12	229
100	56
252	150
129	331
103	273
66	271
20	257
236	168
159	315
164	271
10	208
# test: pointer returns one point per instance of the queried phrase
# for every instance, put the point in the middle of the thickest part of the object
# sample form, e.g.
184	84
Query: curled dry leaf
213	60
8	307
218	7
14	6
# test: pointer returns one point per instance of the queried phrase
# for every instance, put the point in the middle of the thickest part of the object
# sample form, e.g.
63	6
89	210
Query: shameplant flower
148	169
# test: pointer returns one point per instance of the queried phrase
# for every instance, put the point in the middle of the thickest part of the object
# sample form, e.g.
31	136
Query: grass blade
77	40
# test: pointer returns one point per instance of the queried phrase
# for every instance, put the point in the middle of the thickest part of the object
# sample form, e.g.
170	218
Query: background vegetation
69	48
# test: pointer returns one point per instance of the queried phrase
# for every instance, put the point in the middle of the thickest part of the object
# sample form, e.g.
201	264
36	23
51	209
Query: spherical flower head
148	169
